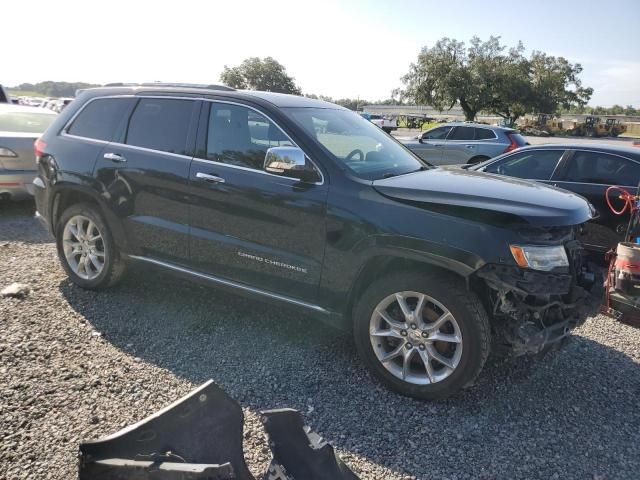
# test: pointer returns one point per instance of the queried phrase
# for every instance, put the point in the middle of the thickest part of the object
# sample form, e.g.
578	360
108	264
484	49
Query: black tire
463	305
477	159
114	265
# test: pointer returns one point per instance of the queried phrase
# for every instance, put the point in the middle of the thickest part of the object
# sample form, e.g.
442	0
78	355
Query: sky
339	48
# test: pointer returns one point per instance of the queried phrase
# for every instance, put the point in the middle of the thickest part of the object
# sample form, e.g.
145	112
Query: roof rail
176	85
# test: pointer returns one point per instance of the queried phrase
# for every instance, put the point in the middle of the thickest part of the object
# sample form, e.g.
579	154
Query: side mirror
289	162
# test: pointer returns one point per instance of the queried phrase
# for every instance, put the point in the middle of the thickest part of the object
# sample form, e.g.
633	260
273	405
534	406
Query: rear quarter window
484	134
101	118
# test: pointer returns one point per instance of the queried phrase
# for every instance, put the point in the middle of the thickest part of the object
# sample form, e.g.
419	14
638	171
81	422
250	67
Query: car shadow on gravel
18	223
571	412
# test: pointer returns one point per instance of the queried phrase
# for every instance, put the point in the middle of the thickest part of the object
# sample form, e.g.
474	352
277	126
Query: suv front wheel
86	248
425	336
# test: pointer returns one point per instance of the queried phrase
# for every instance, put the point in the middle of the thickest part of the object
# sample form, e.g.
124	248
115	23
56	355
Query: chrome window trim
64	133
239	167
597	184
230	283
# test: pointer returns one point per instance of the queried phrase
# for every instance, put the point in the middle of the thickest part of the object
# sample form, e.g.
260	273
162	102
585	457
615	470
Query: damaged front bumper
534	311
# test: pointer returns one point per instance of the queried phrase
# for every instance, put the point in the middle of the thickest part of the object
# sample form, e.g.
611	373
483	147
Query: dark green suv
305	203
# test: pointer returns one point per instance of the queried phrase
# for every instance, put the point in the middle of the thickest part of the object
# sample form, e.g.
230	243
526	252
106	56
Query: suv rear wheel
424	336
86	248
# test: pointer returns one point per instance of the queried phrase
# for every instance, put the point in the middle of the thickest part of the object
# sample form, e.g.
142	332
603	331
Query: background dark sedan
584	169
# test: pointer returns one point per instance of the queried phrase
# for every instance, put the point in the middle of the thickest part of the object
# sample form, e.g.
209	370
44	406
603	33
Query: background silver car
19	127
462	142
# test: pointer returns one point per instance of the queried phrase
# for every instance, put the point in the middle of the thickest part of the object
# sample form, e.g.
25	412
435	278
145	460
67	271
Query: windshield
25	122
356	143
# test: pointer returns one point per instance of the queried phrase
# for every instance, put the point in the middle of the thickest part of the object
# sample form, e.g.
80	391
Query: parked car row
302	202
54	104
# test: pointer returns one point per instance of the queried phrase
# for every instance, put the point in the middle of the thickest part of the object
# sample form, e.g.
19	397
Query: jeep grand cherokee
303	202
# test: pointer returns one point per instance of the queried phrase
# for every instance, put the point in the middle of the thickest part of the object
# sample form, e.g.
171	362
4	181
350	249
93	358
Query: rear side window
533	164
484	134
602	168
101	118
462	133
241	136
160	124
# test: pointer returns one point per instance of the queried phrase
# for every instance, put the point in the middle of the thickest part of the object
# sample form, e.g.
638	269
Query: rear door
252	227
431	145
590	173
145	175
460	146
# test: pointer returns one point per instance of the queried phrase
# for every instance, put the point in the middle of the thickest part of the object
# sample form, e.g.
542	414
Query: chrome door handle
469	146
209	178
114	157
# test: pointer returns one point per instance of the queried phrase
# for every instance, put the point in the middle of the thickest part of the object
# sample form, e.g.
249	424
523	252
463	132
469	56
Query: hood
452	190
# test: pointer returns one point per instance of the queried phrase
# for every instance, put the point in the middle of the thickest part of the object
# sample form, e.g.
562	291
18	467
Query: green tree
555	84
511	86
55	89
260	74
441	77
483	77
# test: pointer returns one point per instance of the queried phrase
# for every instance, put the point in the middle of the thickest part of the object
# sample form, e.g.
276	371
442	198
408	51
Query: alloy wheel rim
83	247
415	338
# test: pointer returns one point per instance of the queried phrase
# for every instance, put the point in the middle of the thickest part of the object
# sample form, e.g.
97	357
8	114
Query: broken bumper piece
532	311
200	437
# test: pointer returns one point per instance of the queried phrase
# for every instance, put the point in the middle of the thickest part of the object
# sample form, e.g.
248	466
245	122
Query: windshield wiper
391	174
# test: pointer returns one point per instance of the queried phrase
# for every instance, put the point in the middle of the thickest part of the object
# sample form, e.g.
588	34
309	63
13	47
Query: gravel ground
77	364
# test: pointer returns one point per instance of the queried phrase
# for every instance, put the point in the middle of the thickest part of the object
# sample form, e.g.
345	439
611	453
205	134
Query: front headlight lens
540	258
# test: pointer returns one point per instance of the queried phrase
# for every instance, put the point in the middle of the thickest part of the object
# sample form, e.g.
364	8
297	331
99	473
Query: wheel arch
399	261
70	194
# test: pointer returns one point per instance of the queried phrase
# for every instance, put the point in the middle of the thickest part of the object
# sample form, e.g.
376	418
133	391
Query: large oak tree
486	77
260	74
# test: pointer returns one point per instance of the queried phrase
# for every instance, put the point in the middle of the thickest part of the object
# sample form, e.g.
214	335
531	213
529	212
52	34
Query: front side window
602	168
439	133
462	133
241	136
101	118
160	124
533	165
355	143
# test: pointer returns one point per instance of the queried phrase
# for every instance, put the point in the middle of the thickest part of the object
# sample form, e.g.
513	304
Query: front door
431	145
145	176
249	226
461	146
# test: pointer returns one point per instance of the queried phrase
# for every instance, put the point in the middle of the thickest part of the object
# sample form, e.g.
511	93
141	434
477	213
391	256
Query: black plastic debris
298	452
197	437
200	437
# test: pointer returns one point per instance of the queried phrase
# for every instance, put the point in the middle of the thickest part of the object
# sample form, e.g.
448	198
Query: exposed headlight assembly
536	257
